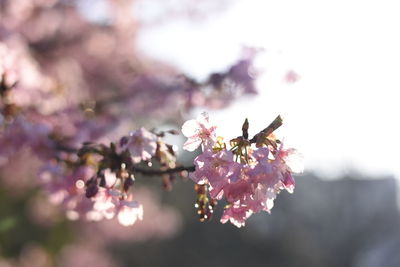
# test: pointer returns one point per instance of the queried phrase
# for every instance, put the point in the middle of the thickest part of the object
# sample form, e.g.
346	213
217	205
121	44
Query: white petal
128	216
191	144
190	128
110	177
145	134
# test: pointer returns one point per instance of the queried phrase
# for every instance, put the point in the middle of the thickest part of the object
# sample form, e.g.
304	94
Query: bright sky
343	113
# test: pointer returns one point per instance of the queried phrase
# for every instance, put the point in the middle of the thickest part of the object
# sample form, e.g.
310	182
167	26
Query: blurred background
329	68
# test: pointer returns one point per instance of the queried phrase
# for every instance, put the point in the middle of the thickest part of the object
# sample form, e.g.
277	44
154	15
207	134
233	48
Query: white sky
344	111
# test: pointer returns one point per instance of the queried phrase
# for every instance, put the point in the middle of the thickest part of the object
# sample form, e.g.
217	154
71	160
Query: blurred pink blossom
141	144
159	221
129	212
67	188
84	255
292	77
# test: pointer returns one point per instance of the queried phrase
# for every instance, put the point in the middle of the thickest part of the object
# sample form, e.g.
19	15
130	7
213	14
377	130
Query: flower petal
190	128
191	144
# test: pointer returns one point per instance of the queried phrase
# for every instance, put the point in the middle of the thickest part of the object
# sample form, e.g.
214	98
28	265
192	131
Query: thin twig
148	171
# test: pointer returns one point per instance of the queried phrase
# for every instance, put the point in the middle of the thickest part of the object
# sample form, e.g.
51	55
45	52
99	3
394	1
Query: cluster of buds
249	174
204	205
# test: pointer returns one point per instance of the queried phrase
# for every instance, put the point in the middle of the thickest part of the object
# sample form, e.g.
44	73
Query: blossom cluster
248	176
99	187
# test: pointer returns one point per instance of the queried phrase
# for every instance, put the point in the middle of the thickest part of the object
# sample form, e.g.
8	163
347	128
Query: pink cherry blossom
288	182
248	185
67	189
199	132
236	215
129	212
262	170
238	190
106	199
293	159
216	169
141	144
262	199
105	203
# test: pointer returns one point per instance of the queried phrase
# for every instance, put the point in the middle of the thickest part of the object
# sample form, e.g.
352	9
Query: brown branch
64	148
144	171
270	129
148	171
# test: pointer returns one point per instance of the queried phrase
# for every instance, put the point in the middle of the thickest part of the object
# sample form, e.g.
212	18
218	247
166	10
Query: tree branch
148	171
